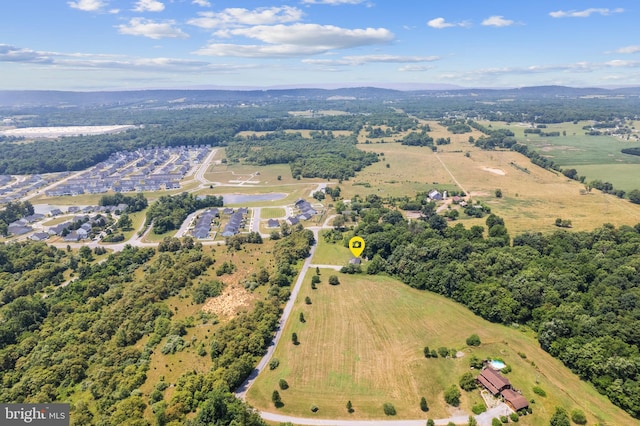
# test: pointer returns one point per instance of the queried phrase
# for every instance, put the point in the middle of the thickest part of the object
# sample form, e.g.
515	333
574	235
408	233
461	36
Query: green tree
472	421
430	422
349	406
427	352
125	223
302	317
294	339
307	300
333	280
560	418
468	381
634	196
452	396
276	399
315	279
498	193
473	340
282	383
578	417
389	409
423	404
496	422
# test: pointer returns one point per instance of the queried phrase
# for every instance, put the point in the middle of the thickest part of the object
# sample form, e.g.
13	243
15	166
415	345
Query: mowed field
596	157
363	341
531	201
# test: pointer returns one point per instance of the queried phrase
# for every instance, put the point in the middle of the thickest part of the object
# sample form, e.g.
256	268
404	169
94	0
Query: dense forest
91	342
168	212
12	212
322	155
580	291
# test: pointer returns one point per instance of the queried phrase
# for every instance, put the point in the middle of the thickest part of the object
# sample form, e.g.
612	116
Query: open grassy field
363	341
582	152
331	254
531	201
272	213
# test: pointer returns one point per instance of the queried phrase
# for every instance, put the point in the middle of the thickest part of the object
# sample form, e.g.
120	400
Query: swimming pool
497	365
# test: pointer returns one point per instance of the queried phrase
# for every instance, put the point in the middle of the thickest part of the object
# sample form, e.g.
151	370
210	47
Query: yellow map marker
356	245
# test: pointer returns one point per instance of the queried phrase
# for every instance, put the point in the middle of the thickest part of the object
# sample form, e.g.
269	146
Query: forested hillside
91	342
580	291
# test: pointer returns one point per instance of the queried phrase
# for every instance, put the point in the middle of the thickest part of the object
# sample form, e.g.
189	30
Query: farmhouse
493	381
514	400
435	195
497	384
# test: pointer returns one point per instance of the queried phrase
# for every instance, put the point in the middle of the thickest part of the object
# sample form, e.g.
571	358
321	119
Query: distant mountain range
150	98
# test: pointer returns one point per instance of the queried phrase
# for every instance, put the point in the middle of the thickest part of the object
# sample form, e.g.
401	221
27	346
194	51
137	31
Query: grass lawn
272	213
363	341
331	254
596	157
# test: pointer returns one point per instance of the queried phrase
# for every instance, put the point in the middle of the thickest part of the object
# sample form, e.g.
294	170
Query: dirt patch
230	302
494	171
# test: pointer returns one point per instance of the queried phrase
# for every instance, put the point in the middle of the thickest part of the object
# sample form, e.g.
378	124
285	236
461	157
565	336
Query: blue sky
130	44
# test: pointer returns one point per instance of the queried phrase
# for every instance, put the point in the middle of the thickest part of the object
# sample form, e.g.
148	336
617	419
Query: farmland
362	341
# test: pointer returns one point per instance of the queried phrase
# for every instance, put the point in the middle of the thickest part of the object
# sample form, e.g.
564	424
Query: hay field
531	201
363	341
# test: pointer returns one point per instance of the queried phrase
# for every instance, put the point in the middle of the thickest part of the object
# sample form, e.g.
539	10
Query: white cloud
148	28
87	5
497	21
234	17
203	3
322	37
83	61
439	23
148	6
295	40
584	13
629	49
333	2
415	68
365	59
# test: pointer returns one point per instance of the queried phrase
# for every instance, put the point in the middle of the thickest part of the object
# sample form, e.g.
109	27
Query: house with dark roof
435	195
497	384
292	220
273	223
514	400
493	381
39	236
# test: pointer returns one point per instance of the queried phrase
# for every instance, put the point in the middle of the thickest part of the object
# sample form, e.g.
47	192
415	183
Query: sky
406	44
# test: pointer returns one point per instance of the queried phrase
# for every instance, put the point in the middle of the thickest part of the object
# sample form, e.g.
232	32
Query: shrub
578	417
496	422
504	419
314	408
443	352
560	418
514	417
302	317
423	404
427	352
473	340
452	396
479	408
275	362
506	370
472	421
283	384
539	391
389	409
307	300
430	422
468	381
275	398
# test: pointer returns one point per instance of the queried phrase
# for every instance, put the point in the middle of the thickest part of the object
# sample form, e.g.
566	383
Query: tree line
578	290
